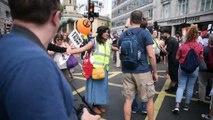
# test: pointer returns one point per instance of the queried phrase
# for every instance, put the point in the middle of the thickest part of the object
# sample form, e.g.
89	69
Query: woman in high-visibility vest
97	90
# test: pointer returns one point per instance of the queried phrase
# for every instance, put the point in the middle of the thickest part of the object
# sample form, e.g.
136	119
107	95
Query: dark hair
100	31
144	23
179	33
58	36
136	17
165	30
35	11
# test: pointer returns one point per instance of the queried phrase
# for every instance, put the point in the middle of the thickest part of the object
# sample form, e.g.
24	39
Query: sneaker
200	102
171	90
144	112
134	111
176	110
205	117
186	108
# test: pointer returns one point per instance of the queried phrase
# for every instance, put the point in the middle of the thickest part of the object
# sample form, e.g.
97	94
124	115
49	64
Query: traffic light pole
88	9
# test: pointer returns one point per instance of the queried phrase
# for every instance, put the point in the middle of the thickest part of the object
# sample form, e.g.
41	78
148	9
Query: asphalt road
164	102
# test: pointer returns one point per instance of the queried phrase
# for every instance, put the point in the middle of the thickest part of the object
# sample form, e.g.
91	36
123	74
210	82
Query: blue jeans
135	105
186	81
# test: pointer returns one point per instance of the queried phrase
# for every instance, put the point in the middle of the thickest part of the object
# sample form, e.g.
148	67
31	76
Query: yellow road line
160	98
193	99
77	73
114	74
161	76
81	78
79	90
161	71
83	88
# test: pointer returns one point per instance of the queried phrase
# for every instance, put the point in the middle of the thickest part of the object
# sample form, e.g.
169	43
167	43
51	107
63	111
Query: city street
41	43
164	102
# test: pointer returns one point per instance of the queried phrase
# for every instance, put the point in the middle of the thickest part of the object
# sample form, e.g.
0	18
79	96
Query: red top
184	49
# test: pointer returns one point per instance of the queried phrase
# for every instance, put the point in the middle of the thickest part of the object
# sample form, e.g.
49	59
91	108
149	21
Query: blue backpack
130	52
191	62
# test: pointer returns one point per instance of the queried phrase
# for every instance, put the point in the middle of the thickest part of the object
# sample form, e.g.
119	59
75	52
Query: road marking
79	90
159	101
113	74
193	99
117	85
81	78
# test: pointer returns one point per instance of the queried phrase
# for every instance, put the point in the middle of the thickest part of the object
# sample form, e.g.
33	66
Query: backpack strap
129	32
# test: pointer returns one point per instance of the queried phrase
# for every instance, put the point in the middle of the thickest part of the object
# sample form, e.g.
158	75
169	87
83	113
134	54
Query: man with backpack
135	45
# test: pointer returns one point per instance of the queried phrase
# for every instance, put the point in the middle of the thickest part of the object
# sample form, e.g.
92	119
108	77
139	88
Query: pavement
164	102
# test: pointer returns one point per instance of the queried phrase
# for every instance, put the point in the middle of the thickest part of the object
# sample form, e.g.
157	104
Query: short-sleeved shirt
144	38
172	47
184	49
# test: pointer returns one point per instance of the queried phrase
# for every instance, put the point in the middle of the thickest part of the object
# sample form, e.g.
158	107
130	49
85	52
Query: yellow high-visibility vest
101	55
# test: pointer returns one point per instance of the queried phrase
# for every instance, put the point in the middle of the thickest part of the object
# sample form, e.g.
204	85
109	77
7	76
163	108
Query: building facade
178	14
5	19
175	14
121	10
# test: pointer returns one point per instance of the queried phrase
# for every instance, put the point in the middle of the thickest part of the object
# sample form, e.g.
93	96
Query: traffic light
155	26
91	9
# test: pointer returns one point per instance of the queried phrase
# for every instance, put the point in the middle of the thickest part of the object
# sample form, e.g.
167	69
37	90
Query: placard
75	38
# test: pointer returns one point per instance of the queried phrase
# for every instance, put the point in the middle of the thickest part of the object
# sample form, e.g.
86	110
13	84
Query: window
7	13
206	5
148	14
165	10
183	7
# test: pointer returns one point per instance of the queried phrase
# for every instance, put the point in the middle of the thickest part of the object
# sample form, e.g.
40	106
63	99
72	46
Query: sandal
101	109
96	110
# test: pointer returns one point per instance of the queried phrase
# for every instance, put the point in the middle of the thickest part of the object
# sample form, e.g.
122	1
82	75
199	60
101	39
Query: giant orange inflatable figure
84	26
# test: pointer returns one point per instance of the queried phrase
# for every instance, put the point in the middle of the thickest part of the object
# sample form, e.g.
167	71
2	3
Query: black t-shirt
172	47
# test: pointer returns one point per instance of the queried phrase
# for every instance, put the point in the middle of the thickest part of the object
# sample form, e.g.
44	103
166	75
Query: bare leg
150	109
127	109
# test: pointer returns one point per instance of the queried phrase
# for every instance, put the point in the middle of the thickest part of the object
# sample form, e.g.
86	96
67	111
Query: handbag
87	67
72	61
98	73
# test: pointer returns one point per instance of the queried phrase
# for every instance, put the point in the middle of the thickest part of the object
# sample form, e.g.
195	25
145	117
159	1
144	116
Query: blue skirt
97	91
